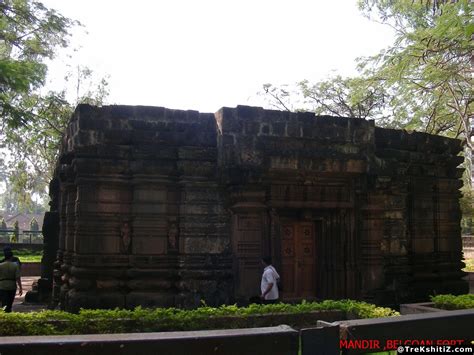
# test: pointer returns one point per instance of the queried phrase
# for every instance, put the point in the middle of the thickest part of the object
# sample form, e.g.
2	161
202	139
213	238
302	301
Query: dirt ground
18	305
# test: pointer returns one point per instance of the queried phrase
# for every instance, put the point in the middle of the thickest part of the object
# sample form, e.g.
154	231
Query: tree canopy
32	120
30	33
427	70
423	81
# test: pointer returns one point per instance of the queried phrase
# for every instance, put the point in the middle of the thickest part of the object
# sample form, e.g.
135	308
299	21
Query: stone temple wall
413	214
162	207
281	167
139	202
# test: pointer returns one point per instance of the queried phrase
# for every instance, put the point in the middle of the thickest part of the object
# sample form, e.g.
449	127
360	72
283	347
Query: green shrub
91	321
469	265
453	302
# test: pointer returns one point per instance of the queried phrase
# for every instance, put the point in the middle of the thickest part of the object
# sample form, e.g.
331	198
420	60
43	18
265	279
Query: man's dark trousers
7	297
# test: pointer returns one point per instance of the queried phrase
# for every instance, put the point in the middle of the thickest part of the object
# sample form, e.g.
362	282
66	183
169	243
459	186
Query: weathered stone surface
266	341
168	207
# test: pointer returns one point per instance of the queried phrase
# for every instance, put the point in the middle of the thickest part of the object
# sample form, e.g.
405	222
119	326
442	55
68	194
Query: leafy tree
336	96
20	202
16	233
30	33
3	224
34	148
428	68
423	81
32	123
349	97
279	97
467	209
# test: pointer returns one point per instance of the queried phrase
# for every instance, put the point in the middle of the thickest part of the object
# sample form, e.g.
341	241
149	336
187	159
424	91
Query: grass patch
165	319
452	302
28	256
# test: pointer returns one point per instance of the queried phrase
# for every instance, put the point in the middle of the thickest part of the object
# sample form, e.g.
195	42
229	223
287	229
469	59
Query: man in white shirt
269	284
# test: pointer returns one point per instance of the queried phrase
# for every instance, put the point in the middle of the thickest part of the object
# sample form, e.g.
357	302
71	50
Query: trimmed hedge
89	321
451	302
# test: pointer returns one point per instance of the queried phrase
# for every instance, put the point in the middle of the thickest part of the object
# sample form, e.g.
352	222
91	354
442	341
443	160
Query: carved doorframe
338	219
336	248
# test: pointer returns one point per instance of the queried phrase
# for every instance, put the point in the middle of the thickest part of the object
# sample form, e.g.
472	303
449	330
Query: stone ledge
30	269
415	308
272	340
436	325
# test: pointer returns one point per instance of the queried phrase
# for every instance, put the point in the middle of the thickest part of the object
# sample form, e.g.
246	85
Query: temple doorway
298	260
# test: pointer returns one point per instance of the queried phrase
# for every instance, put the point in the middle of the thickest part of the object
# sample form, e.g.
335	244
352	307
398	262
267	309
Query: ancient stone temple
160	207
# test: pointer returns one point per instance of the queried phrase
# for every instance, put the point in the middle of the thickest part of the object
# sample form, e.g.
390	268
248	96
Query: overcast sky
207	54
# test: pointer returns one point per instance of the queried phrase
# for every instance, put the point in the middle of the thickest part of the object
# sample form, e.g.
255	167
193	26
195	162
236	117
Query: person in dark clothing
9	279
14	258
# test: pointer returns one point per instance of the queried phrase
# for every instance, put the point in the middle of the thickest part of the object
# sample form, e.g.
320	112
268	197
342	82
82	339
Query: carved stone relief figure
125	236
173	236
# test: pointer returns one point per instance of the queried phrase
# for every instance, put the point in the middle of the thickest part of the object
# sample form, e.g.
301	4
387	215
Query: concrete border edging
280	340
31	269
415	308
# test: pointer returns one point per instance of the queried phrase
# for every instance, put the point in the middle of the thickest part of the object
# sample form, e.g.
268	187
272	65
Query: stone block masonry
161	207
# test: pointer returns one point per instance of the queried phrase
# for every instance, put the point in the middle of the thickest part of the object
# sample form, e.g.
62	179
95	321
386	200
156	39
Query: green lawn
28	256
